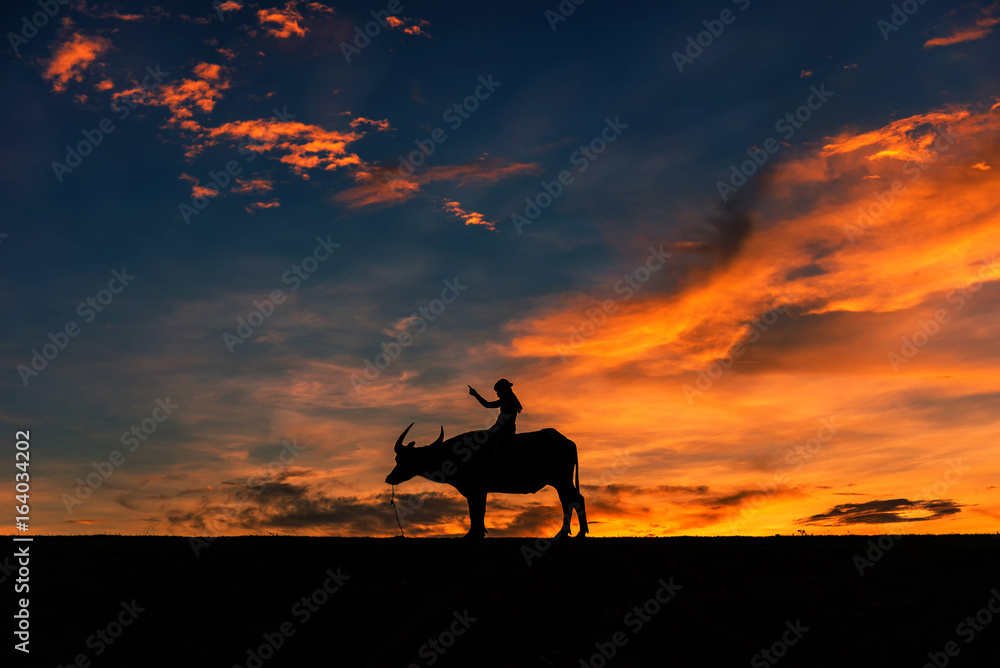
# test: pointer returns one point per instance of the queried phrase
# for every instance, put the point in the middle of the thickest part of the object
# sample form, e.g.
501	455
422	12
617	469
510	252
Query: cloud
71	58
887	511
282	23
305	507
385	186
185	97
379	126
470	218
152	13
302	147
808	212
982	27
208	72
199	190
376	189
257	206
257	184
416	30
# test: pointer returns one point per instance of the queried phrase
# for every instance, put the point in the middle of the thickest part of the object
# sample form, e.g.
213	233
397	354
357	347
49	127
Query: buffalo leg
581	514
566	498
477	515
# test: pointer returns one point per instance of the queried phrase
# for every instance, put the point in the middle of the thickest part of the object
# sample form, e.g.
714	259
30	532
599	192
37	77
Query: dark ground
735	597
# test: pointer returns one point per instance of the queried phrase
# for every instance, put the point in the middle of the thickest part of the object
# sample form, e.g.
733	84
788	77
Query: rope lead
392	502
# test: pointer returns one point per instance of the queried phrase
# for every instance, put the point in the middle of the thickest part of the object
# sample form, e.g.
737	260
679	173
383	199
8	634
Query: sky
743	254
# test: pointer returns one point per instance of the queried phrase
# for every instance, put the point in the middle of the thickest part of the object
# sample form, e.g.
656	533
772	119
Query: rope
392	502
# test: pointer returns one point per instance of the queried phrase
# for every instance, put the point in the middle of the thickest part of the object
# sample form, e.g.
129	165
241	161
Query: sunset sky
753	274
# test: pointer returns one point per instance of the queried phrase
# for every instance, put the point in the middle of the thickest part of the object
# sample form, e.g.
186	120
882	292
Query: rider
503	430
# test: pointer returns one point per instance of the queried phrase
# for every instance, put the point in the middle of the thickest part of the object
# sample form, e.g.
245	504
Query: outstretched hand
472	391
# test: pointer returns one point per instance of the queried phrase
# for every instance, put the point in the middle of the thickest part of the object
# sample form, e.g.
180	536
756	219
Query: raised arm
486	404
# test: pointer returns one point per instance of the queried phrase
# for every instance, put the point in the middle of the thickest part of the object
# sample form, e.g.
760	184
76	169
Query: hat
503	382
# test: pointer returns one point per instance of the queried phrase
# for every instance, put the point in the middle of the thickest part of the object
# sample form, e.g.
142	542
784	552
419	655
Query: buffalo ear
411	444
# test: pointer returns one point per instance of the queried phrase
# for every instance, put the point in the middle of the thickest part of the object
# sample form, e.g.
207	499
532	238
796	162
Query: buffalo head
408	459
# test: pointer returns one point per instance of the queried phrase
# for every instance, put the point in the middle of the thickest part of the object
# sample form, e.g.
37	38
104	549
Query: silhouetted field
727	599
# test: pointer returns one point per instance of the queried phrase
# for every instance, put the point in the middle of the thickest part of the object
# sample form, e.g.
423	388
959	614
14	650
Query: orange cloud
374	191
282	23
470	218
208	72
105	85
153	13
198	190
185	96
379	126
303	146
704	322
386	186
407	25
71	58
982	27
256	206
229	6
854	265
254	185
317	7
